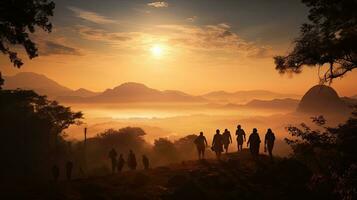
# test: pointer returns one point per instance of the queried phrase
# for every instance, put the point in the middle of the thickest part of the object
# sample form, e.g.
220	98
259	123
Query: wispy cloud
91	16
192	19
209	38
159	4
54	48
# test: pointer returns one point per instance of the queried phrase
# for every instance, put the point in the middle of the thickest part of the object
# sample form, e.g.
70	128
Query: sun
157	50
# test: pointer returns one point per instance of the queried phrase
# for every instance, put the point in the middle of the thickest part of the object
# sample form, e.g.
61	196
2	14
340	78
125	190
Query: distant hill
43	85
354	96
246	96
322	99
37	82
137	92
274	104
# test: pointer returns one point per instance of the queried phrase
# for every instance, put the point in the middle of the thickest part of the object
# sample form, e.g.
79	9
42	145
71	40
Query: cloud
218	37
90	33
91	16
53	48
159	4
208	38
192	19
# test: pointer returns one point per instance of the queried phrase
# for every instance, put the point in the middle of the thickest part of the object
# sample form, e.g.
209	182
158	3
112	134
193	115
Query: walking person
69	167
132	160
217	144
254	143
146	162
227	139
113	157
201	144
121	163
240	137
269	142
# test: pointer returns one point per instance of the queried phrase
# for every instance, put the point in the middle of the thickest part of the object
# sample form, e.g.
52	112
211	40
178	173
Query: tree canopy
329	38
19	19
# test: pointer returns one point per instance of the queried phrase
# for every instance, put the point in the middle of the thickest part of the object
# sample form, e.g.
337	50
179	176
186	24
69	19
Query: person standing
269	142
217	144
132	160
227	139
240	137
113	157
69	167
254	143
146	162
201	144
121	163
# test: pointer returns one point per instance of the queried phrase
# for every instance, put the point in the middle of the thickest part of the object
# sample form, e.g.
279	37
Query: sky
194	46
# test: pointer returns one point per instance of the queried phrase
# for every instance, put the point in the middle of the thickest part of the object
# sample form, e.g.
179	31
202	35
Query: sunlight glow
157	50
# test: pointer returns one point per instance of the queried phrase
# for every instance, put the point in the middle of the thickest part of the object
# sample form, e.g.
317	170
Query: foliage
19	19
32	131
165	149
329	38
330	153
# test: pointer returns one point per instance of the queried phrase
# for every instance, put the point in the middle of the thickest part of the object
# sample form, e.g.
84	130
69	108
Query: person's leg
203	153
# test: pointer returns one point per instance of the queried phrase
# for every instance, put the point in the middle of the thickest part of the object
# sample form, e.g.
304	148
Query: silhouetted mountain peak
321	99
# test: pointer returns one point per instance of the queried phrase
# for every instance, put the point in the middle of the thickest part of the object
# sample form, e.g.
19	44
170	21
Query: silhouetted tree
165	150
18	20
330	38
31	132
330	153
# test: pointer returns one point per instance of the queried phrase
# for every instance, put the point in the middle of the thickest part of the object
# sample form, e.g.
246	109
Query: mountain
322	99
274	104
81	92
43	85
37	82
245	96
137	92
354	96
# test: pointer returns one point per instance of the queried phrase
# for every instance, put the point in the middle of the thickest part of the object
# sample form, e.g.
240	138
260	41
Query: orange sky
94	49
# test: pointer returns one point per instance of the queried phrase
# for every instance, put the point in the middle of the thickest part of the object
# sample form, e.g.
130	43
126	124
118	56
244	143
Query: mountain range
130	92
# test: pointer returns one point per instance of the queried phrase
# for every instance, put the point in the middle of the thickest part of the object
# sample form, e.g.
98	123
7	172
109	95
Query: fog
174	121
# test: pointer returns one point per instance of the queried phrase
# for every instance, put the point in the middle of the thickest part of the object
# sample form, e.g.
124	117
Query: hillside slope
237	176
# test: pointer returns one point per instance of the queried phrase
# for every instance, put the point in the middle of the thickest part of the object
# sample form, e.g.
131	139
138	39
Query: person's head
255	130
201	133
225	130
269	130
238	126
217	131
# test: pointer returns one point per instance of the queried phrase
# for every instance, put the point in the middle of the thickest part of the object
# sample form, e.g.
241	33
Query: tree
18	20
330	38
330	153
31	132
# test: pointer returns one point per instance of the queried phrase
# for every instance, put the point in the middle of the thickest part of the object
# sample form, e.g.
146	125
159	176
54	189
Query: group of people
118	164
221	142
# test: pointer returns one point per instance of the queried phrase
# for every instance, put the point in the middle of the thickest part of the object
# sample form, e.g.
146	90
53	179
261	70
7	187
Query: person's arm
205	141
244	135
248	141
230	138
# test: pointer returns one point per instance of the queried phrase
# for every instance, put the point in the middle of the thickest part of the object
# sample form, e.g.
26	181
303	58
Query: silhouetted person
113	157
146	162
131	160
201	144
121	163
269	142
240	137
55	172
227	139
254	143
69	167
217	144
